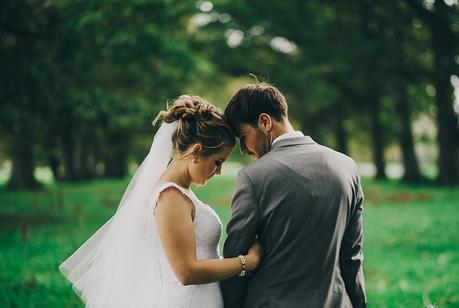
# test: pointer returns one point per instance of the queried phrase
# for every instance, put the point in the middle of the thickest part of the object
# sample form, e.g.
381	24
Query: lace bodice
208	229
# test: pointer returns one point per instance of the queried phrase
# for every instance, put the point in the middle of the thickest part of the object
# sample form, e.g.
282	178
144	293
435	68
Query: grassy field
411	240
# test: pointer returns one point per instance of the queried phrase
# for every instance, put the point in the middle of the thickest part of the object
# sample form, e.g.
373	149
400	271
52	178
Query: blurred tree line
81	80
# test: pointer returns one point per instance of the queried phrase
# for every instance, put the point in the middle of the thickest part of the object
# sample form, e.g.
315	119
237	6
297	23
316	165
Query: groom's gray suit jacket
304	202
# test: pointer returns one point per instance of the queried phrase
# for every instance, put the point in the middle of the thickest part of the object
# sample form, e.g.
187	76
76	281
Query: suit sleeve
351	254
241	230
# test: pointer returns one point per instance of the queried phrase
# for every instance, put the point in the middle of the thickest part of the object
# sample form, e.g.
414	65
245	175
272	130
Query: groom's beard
262	144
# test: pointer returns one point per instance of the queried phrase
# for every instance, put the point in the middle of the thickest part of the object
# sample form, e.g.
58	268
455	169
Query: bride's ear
265	123
195	150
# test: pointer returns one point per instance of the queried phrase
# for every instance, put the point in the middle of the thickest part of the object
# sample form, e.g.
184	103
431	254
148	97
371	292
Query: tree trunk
402	105
54	164
341	134
88	158
372	97
53	153
22	175
377	137
68	148
444	44
446	119
116	155
410	161
116	163
448	133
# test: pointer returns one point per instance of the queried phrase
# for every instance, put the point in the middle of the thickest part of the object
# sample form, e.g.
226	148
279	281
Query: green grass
411	240
411	245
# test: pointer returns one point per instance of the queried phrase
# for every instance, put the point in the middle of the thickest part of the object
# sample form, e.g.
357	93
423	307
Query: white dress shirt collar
288	135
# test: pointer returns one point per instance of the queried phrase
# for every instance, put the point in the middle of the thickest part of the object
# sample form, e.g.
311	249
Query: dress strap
165	185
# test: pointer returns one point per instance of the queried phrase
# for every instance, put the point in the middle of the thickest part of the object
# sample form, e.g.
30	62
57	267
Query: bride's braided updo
198	122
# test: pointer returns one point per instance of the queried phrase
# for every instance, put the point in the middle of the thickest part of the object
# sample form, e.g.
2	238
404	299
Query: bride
160	248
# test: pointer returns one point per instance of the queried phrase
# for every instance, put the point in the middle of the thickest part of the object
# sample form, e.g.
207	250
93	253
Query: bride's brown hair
198	122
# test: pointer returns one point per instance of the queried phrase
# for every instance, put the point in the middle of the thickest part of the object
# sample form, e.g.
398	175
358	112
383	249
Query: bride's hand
253	257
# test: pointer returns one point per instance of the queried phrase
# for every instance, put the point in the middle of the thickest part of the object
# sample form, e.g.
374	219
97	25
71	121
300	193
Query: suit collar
293	141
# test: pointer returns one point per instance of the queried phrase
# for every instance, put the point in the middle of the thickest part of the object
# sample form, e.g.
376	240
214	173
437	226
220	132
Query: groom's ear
265	122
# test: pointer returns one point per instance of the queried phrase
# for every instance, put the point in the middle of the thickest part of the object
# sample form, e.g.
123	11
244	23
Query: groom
304	203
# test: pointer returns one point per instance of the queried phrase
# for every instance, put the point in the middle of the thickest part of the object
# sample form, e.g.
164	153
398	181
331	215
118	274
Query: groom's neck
281	128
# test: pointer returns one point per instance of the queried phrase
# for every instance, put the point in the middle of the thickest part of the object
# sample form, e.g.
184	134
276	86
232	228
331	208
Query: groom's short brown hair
251	101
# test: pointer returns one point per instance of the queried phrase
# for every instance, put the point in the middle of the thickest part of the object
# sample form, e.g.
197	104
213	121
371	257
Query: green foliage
81	80
411	244
348	76
88	77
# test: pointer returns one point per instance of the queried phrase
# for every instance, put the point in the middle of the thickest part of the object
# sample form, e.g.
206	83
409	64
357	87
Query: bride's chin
204	181
200	183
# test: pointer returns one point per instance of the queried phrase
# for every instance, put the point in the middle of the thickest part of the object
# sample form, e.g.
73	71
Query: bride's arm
173	215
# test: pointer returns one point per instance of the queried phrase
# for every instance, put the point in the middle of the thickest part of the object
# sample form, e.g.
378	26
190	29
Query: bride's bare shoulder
171	199
172	194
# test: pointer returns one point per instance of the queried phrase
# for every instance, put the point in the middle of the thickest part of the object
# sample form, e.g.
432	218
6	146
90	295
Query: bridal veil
118	266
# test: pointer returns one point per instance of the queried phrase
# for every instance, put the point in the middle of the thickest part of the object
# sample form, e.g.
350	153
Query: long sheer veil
118	266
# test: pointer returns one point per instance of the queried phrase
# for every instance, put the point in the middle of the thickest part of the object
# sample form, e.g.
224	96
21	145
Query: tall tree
409	158
444	39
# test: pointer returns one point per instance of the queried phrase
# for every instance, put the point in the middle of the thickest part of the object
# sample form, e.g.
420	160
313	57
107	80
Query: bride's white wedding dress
207	228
